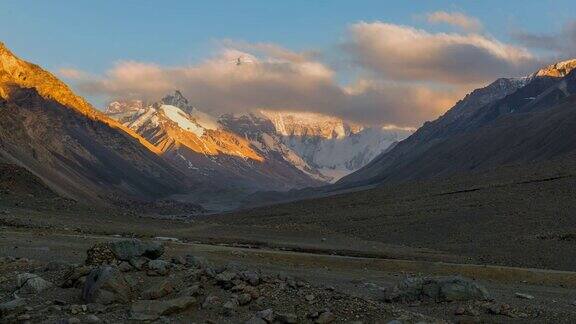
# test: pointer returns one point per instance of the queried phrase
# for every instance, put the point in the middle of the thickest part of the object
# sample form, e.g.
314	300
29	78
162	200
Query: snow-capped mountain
226	164
262	134
307	124
560	69
263	150
329	144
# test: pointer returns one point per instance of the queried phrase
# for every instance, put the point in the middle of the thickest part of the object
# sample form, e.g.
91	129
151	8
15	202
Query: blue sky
93	36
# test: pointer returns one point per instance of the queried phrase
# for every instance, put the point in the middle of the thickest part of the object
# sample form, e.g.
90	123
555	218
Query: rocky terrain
126	281
428	252
129	280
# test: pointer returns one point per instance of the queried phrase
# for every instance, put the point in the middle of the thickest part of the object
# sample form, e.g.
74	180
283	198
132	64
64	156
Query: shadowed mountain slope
74	149
527	123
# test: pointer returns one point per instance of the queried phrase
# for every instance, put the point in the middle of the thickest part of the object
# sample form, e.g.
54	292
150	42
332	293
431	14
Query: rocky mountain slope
204	149
296	149
73	148
510	121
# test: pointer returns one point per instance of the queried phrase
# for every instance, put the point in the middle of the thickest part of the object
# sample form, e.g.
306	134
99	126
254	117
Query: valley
294	241
177	163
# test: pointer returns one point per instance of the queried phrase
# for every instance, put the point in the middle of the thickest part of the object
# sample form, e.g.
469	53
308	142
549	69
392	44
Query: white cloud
399	52
71	73
273	82
407	76
457	19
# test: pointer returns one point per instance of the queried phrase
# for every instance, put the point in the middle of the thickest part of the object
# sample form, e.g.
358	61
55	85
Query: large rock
74	276
225	279
250	277
106	285
99	254
149	310
453	288
158	290
158	267
110	252
30	283
126	250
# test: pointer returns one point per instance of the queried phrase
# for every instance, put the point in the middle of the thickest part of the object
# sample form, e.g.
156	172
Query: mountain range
250	152
170	150
510	121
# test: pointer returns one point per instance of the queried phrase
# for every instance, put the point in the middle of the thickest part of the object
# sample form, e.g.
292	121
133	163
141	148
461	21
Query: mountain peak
4	49
15	71
559	69
310	124
176	99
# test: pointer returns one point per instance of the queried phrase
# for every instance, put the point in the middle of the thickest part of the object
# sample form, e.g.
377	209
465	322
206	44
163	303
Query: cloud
279	80
399	75
399	52
397	103
457	19
561	44
71	73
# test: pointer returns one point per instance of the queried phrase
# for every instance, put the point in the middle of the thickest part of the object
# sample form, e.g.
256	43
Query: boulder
73	275
250	277
193	290
29	283
225	279
91	319
125	266
126	250
268	315
438	289
159	290
179	260
158	267
99	254
149	310
106	285
129	249
139	263
523	296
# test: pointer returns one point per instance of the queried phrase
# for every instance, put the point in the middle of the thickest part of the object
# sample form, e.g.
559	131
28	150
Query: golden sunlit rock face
559	69
17	72
212	142
310	124
75	149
